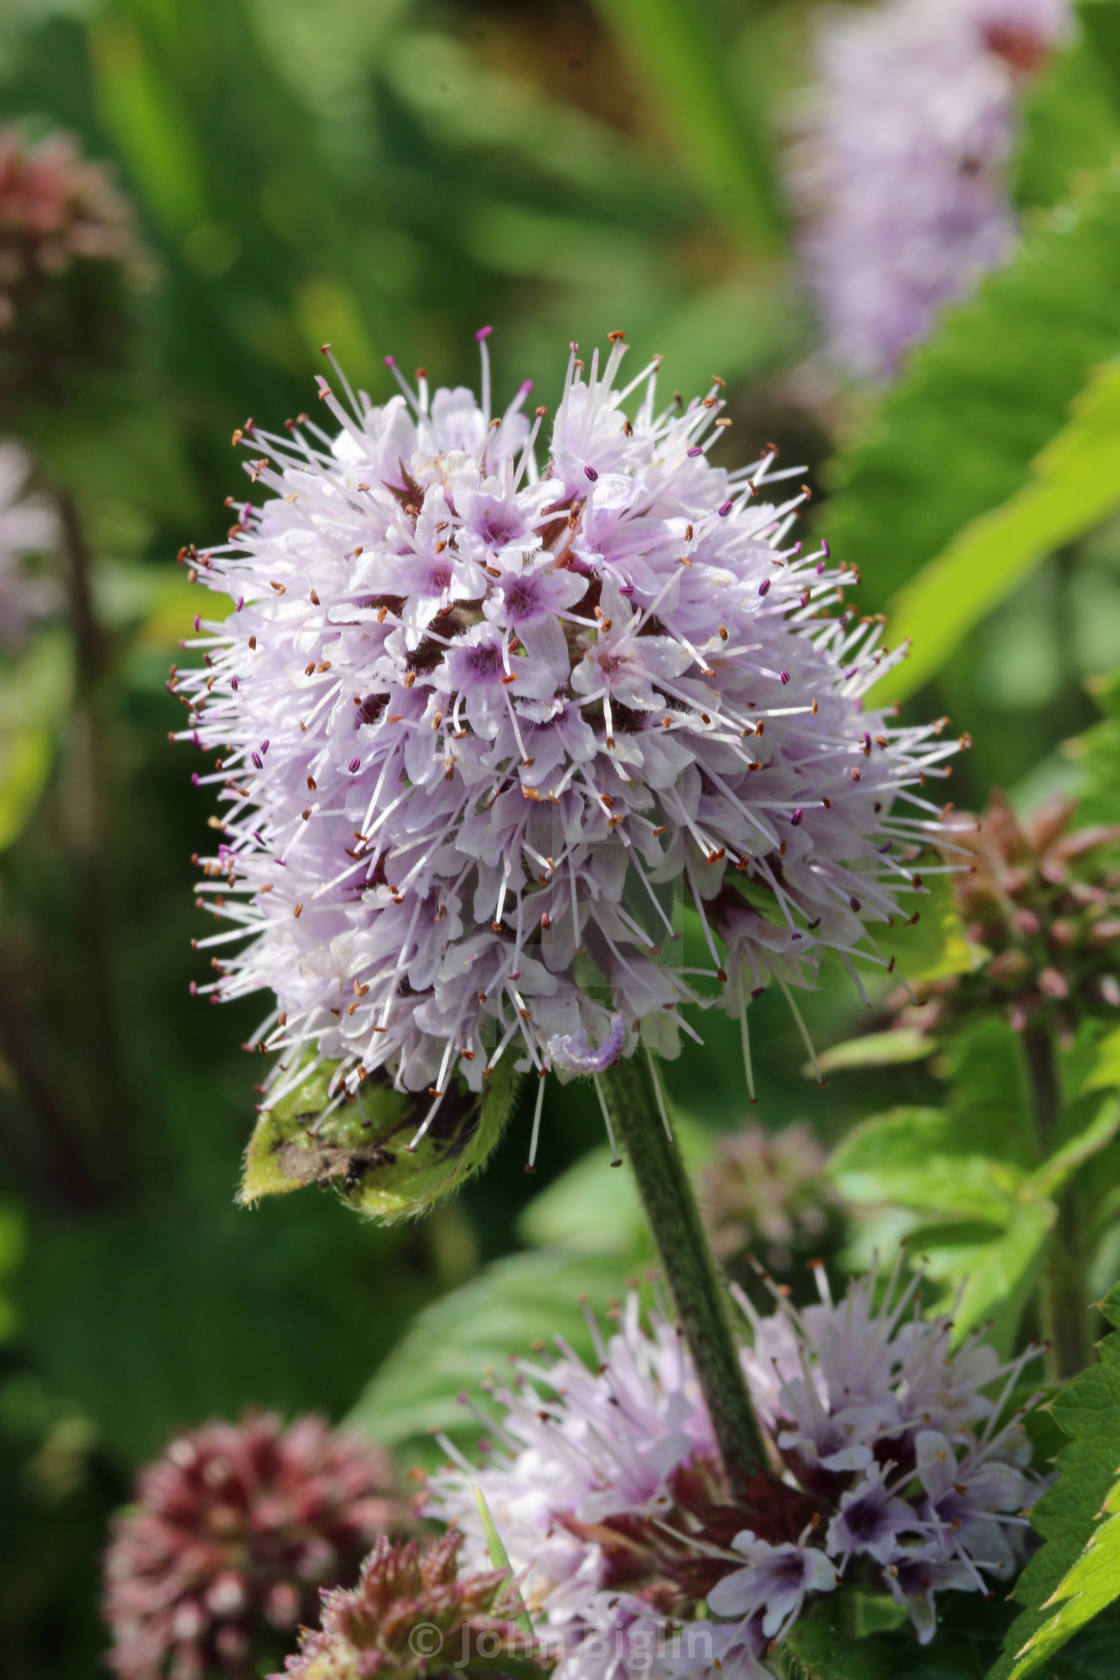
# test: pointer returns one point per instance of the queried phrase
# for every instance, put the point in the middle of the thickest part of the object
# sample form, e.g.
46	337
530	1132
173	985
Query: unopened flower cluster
894	1463
764	1195
412	1615
903	175
233	1533
1042	899
68	245
481	721
27	529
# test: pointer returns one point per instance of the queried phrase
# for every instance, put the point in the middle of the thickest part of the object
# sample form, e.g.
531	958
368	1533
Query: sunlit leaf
1076	1574
1076	484
956	436
880	1049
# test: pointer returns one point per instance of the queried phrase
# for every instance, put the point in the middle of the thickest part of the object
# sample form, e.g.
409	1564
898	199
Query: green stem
682	1246
1064	1306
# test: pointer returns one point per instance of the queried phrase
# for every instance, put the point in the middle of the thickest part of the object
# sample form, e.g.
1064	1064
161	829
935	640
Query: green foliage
1076	485
679	51
511	1309
1076	1574
364	1148
832	1644
970	1173
956	435
34	697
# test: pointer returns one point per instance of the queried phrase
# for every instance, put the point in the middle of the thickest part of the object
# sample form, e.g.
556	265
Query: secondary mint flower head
904	174
892	1457
481	719
235	1530
411	1615
68	253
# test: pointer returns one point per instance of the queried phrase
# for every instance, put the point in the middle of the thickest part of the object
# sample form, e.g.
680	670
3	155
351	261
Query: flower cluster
409	1609
1042	899
67	243
481	722
765	1194
903	173
27	527
892	1463
233	1533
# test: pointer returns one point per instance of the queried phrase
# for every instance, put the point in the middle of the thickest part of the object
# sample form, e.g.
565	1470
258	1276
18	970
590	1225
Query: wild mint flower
903	176
27	528
480	720
232	1534
891	1454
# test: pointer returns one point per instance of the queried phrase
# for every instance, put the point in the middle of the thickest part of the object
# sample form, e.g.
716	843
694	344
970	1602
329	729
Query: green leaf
880	1049
1088	1141
363	1147
1077	1572
505	1312
1076	484
676	47
591	1209
825	1646
917	1158
935	946
1105	1071
999	1275
499	1557
956	435
34	696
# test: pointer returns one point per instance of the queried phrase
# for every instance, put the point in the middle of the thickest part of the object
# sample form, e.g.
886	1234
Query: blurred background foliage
390	175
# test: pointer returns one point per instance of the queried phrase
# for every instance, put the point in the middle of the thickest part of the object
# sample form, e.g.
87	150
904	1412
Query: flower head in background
765	1194
233	1533
903	175
1042	901
480	722
68	252
27	527
891	1453
409	1615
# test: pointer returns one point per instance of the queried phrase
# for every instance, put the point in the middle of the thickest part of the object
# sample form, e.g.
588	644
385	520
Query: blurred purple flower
903	176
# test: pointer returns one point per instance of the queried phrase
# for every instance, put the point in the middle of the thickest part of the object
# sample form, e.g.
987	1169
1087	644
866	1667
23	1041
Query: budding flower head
904	172
68	253
1042	900
27	528
893	1457
232	1534
482	719
409	1615
765	1194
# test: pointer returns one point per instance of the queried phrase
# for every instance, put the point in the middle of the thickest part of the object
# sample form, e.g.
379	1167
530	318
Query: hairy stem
1065	1310
682	1245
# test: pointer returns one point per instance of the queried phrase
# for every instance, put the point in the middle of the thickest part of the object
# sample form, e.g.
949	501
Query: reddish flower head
233	1533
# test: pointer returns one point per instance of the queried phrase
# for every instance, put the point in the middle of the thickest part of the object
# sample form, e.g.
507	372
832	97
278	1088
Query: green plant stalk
1065	1292
682	1246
